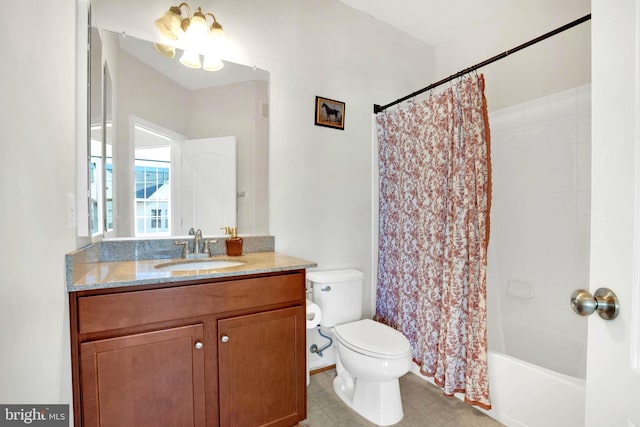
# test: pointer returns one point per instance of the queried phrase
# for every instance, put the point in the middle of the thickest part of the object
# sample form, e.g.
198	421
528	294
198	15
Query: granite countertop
101	275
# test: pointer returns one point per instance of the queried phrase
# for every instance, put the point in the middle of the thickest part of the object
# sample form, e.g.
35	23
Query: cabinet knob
224	338
199	345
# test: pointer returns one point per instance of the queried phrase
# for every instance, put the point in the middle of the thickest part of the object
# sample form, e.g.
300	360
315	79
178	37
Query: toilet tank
338	293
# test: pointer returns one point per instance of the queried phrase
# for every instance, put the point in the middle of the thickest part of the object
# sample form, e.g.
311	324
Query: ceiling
436	21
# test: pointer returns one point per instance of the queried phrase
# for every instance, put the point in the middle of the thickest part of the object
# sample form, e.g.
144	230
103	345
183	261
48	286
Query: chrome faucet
196	241
196	252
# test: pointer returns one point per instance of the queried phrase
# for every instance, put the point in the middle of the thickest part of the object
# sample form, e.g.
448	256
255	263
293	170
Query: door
613	378
262	369
205	194
149	379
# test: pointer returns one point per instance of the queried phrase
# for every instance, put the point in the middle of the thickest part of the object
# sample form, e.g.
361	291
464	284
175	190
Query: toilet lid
369	337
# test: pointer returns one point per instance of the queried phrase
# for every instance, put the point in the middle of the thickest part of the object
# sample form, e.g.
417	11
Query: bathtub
523	394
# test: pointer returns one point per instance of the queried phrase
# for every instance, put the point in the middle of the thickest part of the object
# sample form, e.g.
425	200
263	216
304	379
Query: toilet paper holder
316	315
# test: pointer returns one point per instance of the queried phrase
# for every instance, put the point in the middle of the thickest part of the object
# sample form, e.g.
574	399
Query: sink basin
198	265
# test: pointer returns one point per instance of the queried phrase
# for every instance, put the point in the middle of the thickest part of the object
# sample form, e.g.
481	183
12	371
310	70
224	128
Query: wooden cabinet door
149	379
262	369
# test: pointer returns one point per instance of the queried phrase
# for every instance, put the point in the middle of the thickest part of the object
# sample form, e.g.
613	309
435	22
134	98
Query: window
152	170
95	186
156	218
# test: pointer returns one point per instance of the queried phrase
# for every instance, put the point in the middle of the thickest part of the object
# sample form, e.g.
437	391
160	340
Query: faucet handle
192	231
207	246
185	249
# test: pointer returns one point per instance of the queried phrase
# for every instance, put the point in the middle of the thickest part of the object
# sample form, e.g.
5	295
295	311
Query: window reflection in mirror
108	150
152	177
95	185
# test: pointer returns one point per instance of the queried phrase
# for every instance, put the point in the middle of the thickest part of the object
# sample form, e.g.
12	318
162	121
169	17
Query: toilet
370	356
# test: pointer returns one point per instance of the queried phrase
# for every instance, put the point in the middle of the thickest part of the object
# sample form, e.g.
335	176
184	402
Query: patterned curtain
435	183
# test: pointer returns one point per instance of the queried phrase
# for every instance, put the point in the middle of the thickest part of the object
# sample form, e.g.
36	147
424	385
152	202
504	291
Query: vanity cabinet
221	352
259	370
153	378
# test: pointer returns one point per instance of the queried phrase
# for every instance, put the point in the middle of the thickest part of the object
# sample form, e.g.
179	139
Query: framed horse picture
329	113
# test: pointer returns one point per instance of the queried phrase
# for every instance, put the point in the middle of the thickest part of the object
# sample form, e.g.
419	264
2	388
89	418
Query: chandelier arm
188	10
185	21
216	24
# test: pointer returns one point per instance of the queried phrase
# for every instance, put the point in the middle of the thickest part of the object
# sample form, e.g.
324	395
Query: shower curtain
434	170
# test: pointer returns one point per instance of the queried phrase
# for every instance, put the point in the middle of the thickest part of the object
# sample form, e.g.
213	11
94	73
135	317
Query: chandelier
194	34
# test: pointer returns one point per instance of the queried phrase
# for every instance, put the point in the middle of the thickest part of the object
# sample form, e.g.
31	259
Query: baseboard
323	369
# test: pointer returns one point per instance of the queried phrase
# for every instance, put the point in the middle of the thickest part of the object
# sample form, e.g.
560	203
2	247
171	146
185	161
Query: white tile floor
424	406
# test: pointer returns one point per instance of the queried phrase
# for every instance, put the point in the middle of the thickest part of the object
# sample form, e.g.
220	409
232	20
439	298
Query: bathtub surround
539	254
434	208
539	249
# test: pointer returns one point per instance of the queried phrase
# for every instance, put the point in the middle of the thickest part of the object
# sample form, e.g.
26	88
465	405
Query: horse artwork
329	113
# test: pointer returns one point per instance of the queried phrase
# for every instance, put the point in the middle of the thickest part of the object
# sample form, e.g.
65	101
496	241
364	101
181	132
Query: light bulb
195	37
212	63
198	26
169	24
165	50
190	58
216	35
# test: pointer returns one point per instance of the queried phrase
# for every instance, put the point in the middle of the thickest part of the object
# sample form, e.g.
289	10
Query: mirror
96	139
174	147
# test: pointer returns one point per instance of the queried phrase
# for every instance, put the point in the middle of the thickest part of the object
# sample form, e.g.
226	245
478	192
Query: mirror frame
83	130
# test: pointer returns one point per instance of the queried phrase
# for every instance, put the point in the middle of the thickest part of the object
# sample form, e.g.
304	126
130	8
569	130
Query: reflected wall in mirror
95	132
189	147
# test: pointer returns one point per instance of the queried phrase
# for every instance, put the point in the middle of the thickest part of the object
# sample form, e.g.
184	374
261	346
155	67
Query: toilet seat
373	339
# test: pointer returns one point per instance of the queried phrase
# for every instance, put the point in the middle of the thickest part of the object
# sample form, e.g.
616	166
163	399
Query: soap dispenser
234	243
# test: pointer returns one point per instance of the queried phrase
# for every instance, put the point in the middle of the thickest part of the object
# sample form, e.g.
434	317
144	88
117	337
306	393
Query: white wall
236	112
37	172
553	65
320	178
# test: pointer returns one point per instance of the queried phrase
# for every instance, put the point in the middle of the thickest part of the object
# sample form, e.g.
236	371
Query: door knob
604	301
199	345
224	338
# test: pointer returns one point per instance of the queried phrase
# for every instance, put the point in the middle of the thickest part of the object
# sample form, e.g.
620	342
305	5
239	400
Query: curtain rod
380	108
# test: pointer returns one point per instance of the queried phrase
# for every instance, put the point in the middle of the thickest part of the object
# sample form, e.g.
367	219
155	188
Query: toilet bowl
370	356
370	359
